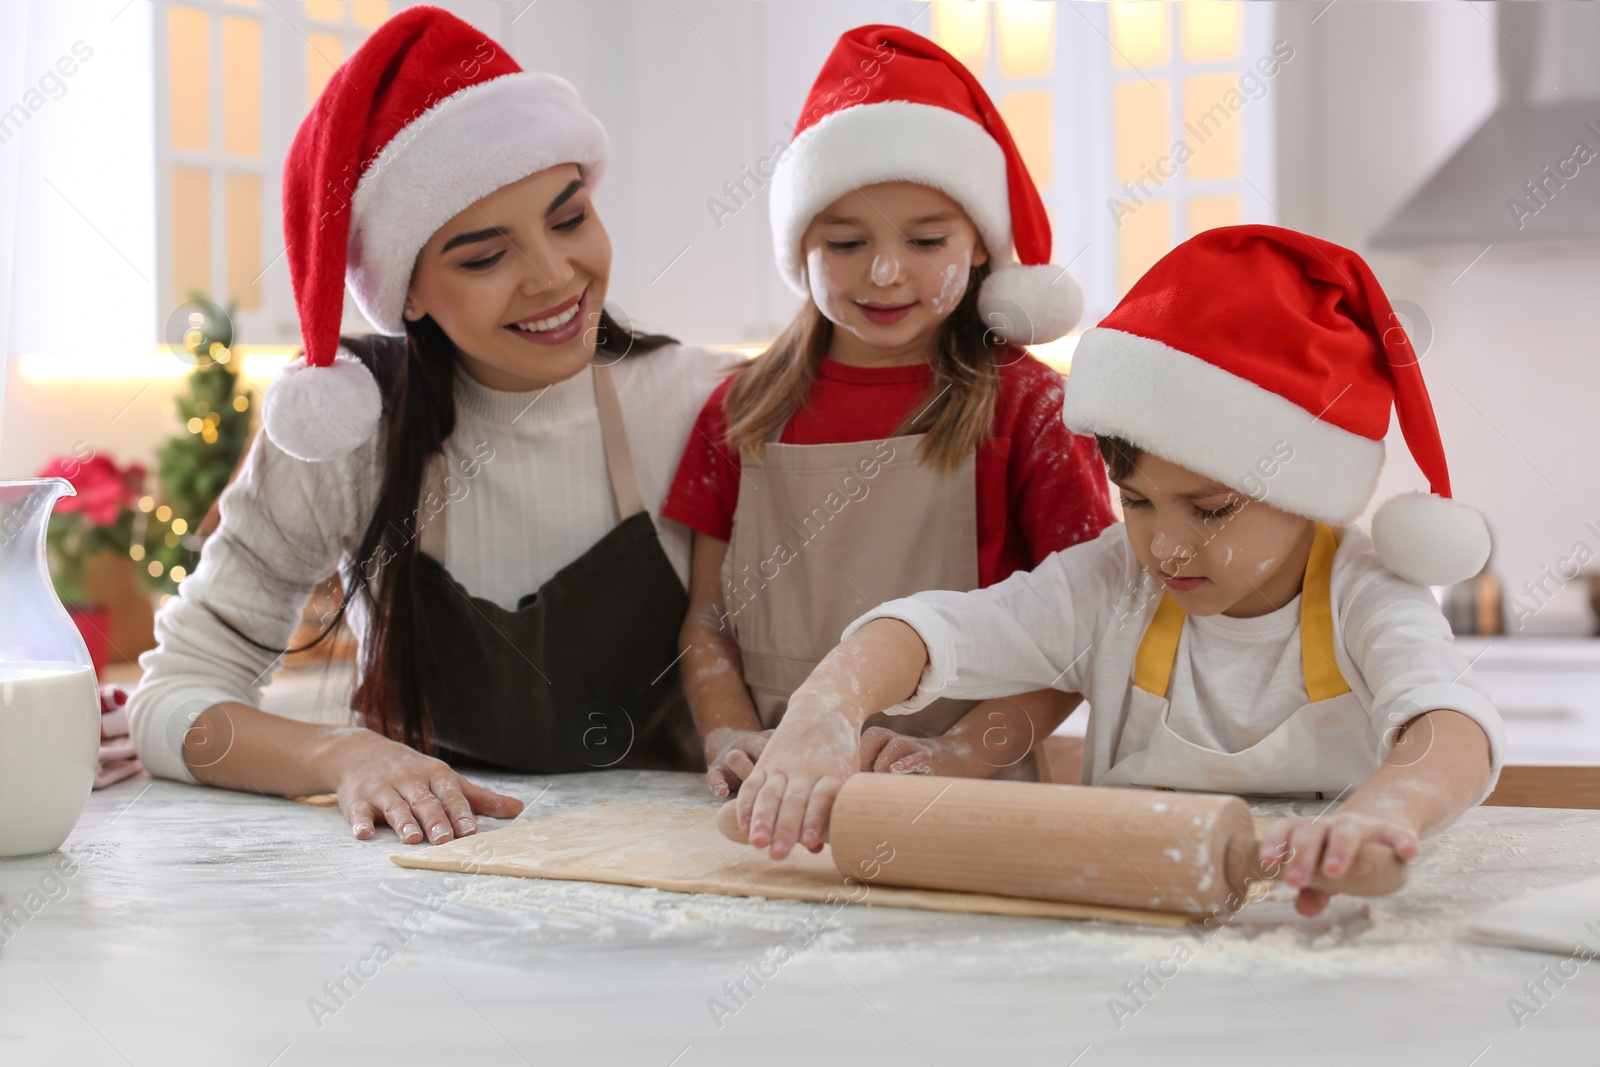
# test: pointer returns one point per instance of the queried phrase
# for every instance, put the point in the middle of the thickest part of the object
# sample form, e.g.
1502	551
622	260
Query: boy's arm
713	674
788	797
1435	728
1034	630
1439	767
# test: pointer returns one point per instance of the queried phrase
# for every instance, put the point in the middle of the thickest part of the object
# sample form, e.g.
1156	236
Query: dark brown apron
583	675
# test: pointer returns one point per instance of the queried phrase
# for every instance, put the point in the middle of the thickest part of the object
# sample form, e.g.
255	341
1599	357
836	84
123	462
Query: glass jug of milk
49	698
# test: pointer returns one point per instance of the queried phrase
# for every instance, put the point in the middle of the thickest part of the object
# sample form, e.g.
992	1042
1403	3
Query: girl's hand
789	795
1301	845
886	752
730	757
376	776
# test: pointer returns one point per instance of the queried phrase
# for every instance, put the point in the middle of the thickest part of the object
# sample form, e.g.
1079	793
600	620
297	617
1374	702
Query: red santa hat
890	105
1245	339
428	116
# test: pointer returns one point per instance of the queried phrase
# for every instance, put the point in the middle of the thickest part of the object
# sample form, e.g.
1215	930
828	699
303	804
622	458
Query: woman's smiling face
517	281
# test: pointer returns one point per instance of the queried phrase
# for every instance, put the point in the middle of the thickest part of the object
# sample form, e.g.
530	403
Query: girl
883	445
481	485
1233	635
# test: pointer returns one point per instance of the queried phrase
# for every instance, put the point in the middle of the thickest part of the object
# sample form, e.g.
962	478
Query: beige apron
1320	751
824	533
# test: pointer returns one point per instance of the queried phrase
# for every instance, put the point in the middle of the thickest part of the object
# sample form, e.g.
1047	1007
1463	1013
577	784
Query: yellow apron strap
1158	649
1324	680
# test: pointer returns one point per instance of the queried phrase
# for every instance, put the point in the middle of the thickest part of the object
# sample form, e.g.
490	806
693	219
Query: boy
1232	634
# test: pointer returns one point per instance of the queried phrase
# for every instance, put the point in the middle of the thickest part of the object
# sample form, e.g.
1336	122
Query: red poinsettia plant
99	518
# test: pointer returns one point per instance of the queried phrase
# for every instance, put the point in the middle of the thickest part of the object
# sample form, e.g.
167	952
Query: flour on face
953	285
885	270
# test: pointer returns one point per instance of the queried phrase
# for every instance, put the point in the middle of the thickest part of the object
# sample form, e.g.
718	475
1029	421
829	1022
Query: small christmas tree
194	467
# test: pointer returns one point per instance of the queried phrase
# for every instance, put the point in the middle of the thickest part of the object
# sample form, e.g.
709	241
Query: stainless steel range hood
1531	172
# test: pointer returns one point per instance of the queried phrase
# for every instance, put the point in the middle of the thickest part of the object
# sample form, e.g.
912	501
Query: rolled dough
679	849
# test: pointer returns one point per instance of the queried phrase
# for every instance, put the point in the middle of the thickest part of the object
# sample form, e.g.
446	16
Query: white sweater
537	497
1075	621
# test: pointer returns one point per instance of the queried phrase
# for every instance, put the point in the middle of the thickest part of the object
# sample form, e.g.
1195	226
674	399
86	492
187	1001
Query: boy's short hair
1119	455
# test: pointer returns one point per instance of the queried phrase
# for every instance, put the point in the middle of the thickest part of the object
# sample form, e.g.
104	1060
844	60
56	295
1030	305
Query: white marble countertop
197	926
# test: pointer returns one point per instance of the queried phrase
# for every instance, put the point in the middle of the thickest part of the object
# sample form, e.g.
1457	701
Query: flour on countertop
1422	931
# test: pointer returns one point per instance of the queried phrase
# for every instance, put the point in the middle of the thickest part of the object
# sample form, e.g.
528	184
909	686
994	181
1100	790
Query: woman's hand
731	755
886	752
1329	845
412	792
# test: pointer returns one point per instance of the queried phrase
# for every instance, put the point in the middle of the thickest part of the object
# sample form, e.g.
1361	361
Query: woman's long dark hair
416	376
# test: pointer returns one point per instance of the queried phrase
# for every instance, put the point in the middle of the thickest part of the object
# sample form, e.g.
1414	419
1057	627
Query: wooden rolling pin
1174	852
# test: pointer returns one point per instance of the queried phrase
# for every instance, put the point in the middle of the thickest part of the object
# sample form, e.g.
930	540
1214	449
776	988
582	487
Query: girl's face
1218	550
887	264
517	281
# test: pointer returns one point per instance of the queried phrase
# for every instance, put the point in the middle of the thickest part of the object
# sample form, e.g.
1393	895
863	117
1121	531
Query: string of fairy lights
159	530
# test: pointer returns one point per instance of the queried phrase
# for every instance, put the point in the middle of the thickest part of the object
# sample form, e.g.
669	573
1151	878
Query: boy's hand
1438	765
887	752
788	797
1304	846
730	757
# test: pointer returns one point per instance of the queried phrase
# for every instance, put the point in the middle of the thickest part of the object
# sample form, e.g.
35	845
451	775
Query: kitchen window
1168	107
234	78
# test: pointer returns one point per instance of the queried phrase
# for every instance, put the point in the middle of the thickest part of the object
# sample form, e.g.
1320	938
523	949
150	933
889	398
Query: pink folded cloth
118	760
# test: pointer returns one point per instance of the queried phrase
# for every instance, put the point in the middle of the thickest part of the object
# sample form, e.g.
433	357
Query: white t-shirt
538	497
1075	621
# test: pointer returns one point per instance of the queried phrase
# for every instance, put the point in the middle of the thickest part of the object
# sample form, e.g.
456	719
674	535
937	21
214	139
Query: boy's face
1217	550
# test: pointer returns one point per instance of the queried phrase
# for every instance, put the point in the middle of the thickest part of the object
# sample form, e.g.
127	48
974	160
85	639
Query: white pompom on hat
427	117
1270	360
322	412
890	105
1430	539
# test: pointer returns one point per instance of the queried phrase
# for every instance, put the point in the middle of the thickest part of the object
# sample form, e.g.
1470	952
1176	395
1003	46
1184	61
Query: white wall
1388	91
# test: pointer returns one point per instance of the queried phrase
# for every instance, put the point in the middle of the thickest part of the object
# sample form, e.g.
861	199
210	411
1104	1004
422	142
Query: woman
479	486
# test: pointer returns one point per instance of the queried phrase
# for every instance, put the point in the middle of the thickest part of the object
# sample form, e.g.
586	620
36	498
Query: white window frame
285	27
1085	235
